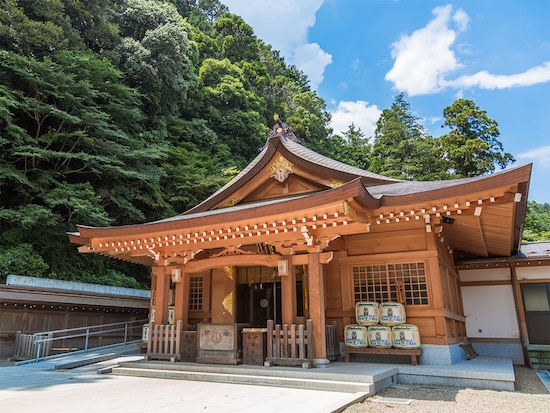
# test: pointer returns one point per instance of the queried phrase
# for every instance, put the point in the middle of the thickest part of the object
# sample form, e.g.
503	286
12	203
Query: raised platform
481	372
335	378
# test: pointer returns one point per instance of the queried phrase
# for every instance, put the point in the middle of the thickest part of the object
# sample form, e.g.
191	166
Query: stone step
539	356
328	373
538	347
262	380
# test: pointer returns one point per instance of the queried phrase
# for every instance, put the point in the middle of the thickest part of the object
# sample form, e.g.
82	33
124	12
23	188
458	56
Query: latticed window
195	293
387	282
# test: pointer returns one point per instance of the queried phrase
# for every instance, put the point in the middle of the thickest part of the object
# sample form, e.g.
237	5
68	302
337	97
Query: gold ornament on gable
281	169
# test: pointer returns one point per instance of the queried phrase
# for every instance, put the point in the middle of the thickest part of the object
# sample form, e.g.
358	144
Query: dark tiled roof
316	158
536	249
236	208
402	188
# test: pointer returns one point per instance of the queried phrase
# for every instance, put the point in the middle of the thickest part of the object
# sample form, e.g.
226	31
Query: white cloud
359	113
485	80
311	59
539	155
424	60
284	25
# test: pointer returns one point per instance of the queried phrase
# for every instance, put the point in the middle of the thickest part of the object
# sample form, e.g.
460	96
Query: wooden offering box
220	343
255	346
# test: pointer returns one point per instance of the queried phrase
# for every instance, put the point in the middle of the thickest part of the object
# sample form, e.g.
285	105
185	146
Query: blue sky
359	54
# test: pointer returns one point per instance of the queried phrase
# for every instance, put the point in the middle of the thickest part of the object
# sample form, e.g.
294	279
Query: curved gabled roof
289	182
446	188
282	140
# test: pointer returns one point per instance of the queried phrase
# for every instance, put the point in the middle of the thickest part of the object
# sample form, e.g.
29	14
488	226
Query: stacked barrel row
381	326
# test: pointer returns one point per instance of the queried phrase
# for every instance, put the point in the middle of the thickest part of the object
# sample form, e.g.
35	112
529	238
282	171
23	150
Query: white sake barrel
366	313
406	336
355	335
380	336
392	314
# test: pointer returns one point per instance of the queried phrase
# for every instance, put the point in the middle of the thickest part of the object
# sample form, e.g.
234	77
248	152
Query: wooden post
162	294
520	310
181	305
316	284
288	291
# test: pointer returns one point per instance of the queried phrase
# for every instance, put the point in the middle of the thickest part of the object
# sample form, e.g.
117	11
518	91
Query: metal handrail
47	336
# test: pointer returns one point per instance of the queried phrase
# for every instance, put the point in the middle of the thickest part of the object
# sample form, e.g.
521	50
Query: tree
471	148
401	147
117	112
72	150
157	57
537	222
234	111
236	38
352	148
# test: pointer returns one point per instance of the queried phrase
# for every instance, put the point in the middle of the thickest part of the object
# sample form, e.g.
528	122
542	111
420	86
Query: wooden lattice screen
290	345
164	341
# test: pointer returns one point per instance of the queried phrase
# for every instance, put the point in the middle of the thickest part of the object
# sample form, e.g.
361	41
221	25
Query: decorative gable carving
281	169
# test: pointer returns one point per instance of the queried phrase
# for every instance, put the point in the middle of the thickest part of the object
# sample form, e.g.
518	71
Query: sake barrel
392	314
406	336
379	336
366	313
355	335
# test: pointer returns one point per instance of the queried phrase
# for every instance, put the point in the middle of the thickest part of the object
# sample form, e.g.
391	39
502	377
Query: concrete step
344	377
539	356
239	378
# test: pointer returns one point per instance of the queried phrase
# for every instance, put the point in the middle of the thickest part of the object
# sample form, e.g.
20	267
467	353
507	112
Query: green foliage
353	148
537	222
21	259
471	147
119	112
401	147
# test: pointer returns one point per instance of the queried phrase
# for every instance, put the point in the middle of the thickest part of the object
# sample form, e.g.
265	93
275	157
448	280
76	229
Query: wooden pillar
162	293
347	293
181	305
520	310
316	285
288	291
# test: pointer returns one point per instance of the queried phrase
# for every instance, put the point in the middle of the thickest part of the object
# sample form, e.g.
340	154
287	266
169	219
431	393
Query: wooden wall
440	321
34	318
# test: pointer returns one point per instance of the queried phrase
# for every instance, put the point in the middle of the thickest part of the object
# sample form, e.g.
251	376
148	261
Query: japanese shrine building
297	236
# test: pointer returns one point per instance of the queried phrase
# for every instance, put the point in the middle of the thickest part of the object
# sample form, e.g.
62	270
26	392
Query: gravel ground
530	396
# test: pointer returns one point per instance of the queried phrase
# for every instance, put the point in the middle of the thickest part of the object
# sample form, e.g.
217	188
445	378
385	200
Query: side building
30	305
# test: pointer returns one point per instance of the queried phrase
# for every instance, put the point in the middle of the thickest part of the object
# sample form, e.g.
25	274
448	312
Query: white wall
534	273
485	274
490	311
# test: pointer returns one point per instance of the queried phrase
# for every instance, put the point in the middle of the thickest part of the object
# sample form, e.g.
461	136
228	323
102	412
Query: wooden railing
290	345
164	341
333	343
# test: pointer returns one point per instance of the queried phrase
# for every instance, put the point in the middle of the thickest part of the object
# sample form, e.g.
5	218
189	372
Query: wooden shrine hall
297	236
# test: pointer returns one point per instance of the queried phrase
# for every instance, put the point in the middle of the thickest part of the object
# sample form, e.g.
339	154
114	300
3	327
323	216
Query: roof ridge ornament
283	130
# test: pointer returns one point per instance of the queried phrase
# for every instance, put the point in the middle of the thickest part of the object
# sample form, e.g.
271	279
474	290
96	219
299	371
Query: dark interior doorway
258	296
536	302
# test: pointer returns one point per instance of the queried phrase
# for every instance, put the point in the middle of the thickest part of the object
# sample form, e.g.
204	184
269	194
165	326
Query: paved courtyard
33	388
